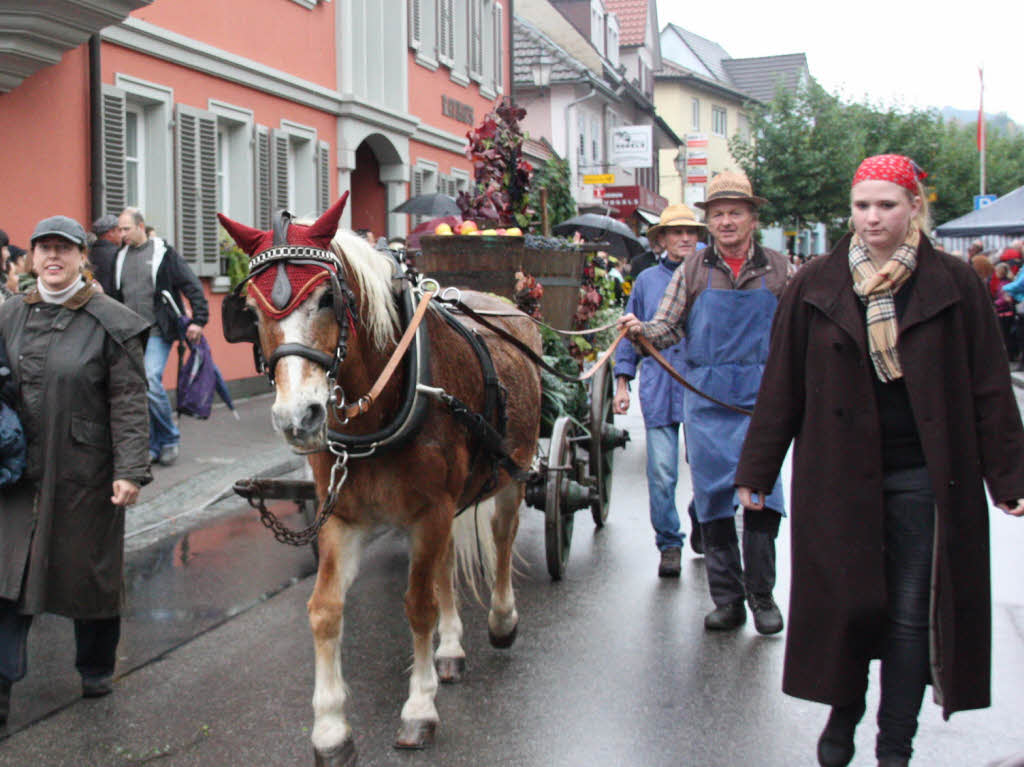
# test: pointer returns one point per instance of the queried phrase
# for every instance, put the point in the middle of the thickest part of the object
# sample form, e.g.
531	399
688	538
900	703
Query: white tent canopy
996	225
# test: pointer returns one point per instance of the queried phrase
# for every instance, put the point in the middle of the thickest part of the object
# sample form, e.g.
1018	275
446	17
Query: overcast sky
903	52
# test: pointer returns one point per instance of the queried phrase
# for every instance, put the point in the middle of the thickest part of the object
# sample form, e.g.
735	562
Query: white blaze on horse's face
300	407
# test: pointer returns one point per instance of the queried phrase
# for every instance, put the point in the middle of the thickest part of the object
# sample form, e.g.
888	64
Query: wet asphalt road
612	666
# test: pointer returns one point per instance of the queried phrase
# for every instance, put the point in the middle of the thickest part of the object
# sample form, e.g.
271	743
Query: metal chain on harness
281	532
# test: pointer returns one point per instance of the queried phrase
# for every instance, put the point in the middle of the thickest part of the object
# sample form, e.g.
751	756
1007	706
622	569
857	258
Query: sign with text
599	178
632	146
696	140
696	158
697	177
456	110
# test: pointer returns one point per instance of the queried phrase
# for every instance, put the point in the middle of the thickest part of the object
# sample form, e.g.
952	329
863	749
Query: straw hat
731	186
674	215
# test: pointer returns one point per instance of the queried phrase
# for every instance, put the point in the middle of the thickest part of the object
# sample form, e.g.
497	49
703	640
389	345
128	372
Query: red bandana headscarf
890	167
302	278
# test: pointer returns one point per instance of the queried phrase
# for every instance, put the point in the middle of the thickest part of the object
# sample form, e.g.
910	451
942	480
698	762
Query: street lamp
541	71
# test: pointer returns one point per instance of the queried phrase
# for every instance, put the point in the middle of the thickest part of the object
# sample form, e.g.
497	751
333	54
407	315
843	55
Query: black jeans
909	538
95	644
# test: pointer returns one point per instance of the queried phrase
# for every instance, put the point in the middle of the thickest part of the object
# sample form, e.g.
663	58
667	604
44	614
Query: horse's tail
475	550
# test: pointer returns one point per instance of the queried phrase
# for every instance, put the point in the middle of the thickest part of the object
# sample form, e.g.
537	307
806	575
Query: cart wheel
601	457
557	518
310	510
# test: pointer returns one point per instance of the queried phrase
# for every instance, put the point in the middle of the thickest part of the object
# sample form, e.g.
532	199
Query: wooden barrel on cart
489	264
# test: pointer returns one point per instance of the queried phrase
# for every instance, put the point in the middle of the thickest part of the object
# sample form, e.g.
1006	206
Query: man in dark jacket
146	268
103	252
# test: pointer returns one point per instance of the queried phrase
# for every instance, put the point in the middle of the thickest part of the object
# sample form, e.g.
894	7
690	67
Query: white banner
632	146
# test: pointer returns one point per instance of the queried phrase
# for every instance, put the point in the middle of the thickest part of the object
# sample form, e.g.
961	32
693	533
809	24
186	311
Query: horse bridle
241	323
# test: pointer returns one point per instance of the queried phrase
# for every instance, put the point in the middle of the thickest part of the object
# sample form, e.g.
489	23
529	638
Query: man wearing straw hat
722	300
661	398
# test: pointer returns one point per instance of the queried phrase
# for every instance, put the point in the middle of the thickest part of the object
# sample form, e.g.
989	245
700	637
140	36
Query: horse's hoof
505	641
449	670
416	733
342	755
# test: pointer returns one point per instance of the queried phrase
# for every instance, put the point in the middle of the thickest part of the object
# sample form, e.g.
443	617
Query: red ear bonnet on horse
279	291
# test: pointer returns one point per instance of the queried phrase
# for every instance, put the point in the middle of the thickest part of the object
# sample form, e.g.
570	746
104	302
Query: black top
901	443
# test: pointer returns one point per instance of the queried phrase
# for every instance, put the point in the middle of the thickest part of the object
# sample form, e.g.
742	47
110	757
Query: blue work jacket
661	398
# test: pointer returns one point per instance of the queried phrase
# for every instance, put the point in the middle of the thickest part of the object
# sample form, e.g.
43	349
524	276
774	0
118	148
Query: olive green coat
82	403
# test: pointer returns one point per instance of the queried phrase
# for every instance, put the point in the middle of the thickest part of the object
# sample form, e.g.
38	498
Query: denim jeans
909	536
162	429
662	474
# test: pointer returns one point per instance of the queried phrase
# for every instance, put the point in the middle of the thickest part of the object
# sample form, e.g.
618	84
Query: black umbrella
435	204
592	226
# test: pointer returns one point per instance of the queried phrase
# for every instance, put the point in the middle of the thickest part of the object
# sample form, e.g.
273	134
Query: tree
806	144
554	176
799	156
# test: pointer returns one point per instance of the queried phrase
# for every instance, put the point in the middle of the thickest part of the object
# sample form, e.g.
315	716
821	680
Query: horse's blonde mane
371	270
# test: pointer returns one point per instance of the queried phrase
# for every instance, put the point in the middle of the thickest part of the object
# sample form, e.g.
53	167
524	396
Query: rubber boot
760	527
725	581
5	700
696	539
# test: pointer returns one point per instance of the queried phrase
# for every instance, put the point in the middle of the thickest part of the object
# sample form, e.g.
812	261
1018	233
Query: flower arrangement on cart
492	245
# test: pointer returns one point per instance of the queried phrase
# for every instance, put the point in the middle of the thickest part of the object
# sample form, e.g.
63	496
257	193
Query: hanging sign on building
632	146
696	140
599	178
697	177
697	157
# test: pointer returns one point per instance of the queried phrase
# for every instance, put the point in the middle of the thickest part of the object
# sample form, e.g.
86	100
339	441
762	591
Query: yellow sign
600	178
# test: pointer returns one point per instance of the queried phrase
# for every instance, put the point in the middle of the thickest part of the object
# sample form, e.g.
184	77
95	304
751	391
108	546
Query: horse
326	331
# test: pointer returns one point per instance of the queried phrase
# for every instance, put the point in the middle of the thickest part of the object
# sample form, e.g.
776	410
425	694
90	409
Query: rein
601	360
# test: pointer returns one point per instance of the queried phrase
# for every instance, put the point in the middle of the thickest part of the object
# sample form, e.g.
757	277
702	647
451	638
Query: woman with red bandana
886	368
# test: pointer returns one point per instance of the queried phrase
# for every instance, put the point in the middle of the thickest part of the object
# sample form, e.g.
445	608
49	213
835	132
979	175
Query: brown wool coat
817	388
82	402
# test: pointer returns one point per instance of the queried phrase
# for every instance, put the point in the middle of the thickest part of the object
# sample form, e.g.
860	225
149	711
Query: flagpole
981	128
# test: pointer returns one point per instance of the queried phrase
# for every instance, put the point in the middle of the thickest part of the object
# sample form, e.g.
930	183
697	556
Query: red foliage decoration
527	295
502	175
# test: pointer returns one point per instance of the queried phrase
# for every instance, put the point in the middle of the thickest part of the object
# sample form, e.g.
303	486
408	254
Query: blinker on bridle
343	300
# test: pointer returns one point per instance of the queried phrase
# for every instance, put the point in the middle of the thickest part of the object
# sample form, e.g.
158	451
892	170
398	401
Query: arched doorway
369	201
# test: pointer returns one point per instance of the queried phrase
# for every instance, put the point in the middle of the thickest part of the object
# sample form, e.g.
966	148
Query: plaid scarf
875	287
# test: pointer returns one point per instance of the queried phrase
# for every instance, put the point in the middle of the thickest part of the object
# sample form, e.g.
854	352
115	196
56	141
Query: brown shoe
670	563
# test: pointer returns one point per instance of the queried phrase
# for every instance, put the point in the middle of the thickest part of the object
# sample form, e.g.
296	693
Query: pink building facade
184	108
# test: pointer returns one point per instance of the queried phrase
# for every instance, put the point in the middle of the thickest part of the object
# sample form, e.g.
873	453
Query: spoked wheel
558	516
601	454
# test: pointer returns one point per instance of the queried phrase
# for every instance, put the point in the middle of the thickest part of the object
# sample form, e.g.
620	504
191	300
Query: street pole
981	128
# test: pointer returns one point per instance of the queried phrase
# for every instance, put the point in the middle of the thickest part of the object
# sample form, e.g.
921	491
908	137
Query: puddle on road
175	589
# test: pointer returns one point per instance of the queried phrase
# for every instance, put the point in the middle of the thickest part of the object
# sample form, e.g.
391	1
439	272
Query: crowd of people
1000	271
86	326
884	365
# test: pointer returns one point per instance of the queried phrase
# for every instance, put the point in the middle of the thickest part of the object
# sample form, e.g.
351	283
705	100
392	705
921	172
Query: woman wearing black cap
77	360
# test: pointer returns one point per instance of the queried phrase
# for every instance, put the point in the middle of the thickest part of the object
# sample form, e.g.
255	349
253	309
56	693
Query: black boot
725	577
835	745
696	539
760	527
5	700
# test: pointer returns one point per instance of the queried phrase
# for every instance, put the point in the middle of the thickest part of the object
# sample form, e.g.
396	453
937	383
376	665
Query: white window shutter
264	190
279	172
323	164
475	40
499	51
446	29
196	188
415	23
113	175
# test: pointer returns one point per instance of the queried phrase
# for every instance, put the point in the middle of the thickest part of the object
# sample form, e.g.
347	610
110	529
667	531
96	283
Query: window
719	124
446	31
499	49
223	192
476	53
695	115
423	31
424	181
138	154
134	163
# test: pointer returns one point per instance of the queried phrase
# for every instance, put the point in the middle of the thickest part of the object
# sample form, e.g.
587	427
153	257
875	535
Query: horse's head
297	286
